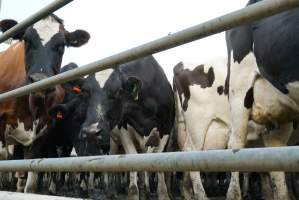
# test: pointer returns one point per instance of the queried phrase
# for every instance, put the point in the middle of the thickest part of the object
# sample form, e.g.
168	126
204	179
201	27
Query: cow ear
77	38
6	24
133	86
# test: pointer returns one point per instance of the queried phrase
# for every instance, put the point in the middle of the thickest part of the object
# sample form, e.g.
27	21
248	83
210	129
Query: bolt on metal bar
21	196
253	12
52	7
255	159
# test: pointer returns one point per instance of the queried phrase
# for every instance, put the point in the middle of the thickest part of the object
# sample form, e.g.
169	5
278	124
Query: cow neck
12	73
12	67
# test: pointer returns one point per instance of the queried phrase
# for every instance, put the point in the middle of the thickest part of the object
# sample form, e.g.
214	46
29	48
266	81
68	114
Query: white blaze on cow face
103	76
73	152
46	29
99	111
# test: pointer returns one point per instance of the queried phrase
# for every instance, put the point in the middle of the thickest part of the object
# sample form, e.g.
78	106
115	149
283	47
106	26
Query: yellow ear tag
136	97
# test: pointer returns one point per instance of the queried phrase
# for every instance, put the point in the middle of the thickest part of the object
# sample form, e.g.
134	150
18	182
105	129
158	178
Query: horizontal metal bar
26	196
259	159
52	7
253	12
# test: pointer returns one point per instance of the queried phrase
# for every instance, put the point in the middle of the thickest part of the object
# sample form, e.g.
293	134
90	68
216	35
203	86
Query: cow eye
28	44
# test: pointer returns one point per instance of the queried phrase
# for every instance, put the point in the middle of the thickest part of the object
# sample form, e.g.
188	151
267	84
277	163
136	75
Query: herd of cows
248	99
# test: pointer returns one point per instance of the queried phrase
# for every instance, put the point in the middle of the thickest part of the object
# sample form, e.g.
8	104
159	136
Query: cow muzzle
35	77
91	131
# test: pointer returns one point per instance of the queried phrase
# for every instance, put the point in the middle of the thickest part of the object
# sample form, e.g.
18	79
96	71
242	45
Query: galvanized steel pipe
52	7
259	159
253	12
26	196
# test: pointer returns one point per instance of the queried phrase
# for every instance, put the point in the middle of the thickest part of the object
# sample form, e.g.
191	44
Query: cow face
95	131
108	107
74	105
44	44
68	117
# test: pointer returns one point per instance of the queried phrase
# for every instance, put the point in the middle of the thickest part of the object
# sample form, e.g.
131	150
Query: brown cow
36	56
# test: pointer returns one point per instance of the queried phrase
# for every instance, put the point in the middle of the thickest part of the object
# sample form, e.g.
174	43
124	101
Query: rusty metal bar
253	12
255	159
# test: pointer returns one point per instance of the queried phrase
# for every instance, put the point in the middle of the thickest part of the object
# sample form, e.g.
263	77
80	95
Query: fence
266	159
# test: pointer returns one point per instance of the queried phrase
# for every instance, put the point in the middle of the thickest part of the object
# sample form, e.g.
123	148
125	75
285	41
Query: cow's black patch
277	56
183	78
220	90
248	100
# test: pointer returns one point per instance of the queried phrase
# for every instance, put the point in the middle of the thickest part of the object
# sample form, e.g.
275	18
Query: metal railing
245	15
246	160
266	159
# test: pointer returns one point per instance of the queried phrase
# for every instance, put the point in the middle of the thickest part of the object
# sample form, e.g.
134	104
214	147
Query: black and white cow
36	56
203	121
263	85
202	114
136	105
66	120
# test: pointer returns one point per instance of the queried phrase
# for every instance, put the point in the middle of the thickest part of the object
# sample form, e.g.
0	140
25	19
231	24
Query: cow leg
52	187
91	182
147	183
106	181
31	183
21	181
198	189
267	191
114	149
129	147
185	185
147	175
83	187
3	154
279	138
162	188
242	77
237	140
198	141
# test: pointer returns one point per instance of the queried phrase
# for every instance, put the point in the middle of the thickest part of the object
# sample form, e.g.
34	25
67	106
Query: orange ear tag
76	89
59	115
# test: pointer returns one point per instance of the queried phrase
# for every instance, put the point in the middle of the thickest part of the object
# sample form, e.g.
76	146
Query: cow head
74	99
95	139
108	107
44	44
72	112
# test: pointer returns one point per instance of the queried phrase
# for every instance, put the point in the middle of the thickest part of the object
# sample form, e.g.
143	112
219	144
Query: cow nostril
31	80
98	133
37	77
